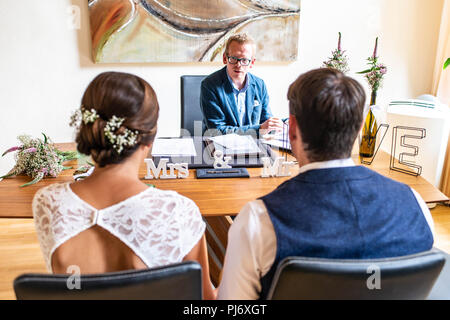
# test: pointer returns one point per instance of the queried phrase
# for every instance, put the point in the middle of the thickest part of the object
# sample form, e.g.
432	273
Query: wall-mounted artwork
190	30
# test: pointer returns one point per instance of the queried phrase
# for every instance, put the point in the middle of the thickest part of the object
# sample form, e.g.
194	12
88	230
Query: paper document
278	139
174	147
278	143
237	143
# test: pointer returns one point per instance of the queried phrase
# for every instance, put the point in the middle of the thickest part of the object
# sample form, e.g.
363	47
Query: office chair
181	281
441	288
190	105
408	277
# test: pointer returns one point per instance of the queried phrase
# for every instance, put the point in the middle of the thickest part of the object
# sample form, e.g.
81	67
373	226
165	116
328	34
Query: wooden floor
441	217
20	252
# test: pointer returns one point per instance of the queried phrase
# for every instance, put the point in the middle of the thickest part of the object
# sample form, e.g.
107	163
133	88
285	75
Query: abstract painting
190	30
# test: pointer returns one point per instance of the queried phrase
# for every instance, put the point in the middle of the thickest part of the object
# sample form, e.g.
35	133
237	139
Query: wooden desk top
214	197
427	191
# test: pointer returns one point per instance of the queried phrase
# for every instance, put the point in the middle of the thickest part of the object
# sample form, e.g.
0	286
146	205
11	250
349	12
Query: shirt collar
236	90
327	165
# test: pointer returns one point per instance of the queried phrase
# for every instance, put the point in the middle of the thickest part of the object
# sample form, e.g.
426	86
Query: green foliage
447	63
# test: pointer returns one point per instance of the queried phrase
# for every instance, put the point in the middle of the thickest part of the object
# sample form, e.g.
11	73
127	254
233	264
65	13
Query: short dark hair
122	95
328	107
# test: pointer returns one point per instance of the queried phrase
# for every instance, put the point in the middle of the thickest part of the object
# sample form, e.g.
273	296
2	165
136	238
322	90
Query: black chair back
441	288
190	105
180	281
407	277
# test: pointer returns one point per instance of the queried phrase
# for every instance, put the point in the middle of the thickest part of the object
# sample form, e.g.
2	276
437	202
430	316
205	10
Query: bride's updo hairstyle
121	95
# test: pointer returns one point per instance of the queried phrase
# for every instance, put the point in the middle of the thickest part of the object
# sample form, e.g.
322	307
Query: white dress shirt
240	96
252	243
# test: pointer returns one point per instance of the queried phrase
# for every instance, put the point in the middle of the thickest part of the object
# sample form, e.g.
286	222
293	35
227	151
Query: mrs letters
154	172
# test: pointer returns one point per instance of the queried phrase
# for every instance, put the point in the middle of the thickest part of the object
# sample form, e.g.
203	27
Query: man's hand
272	124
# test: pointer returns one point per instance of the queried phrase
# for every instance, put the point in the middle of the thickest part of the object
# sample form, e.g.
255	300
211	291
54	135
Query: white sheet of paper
174	147
278	139
277	143
236	142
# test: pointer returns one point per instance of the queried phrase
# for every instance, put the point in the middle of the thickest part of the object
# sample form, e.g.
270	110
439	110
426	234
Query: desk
427	191
214	197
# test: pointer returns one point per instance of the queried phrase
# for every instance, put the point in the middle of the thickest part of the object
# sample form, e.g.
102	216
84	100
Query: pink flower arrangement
377	71
339	60
38	159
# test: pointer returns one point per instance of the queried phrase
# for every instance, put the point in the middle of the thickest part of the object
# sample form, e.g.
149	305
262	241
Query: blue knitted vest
344	213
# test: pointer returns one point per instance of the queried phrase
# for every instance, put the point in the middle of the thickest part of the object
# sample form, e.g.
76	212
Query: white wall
45	65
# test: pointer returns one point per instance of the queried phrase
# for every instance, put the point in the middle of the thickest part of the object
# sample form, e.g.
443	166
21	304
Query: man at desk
232	99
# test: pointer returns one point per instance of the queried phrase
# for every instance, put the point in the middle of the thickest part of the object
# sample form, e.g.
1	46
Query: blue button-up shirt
239	96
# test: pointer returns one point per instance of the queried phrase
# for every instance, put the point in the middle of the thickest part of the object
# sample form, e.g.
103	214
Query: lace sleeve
57	218
42	224
192	226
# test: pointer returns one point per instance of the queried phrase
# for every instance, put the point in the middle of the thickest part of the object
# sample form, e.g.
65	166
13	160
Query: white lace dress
161	227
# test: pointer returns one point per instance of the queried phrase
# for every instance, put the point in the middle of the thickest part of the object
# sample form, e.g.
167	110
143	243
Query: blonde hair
241	38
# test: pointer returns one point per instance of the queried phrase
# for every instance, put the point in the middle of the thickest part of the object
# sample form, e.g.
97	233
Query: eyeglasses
244	61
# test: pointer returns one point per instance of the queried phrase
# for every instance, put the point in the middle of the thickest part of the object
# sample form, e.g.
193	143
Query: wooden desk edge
436	197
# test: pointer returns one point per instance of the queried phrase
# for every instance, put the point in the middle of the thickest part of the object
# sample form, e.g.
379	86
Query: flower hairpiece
118	141
83	115
126	138
89	116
